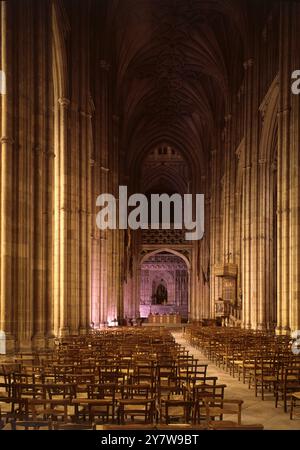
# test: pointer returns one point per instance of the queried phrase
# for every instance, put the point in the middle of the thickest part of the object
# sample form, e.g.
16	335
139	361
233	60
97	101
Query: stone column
104	111
213	230
84	223
215	225
39	251
116	233
196	302
283	173
265	230
229	191
95	263
237	247
121	308
7	299
206	251
43	179
294	279
62	209
249	213
49	245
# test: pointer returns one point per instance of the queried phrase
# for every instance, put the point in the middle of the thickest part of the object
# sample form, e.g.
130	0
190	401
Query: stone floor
254	409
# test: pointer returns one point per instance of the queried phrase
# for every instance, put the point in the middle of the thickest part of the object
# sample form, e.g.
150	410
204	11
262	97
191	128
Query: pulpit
222	310
228	274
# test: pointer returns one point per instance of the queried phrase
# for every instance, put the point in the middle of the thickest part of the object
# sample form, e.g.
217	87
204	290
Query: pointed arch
144	258
60	28
269	111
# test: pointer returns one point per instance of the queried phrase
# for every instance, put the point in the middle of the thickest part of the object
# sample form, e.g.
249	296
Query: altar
164	318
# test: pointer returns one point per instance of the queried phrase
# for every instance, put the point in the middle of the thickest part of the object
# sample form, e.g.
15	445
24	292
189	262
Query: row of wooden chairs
263	360
119	378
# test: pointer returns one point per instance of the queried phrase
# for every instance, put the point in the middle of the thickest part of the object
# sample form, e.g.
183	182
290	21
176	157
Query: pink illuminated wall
170	271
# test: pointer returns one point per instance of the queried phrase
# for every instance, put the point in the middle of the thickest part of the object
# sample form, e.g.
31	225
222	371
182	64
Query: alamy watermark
2	83
296	342
296	84
141	212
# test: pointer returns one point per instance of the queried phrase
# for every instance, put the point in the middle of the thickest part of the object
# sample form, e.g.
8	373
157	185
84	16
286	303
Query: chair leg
240	415
285	402
292	408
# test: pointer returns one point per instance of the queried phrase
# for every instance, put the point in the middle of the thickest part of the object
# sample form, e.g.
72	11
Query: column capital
38	149
248	63
64	102
6	140
104	65
241	91
284	112
262	162
85	114
282	211
274	166
50	154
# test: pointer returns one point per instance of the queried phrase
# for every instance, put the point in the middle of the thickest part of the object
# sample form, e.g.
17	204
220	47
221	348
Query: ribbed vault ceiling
177	61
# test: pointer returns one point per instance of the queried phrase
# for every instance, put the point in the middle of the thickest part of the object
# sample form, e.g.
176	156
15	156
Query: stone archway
166	271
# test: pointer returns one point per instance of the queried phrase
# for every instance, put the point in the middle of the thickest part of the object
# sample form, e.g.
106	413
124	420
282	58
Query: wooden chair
2	422
60	391
180	426
245	366
92	410
171	392
200	382
166	371
200	393
26	390
81	381
106	392
144	372
126	426
136	408
216	409
31	424
5	395
72	426
291	384
173	403
199	375
178	410
295	397
111	377
25	378
187	370
264	375
136	391
6	372
48	409
225	425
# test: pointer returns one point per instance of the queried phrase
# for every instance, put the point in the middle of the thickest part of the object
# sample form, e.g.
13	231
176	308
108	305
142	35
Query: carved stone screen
164	286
